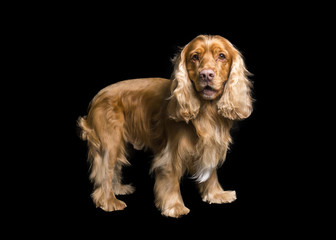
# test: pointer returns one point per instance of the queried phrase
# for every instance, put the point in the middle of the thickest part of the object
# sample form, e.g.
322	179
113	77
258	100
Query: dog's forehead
207	43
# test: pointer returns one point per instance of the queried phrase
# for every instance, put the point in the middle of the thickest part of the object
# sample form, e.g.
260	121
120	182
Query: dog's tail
87	133
95	151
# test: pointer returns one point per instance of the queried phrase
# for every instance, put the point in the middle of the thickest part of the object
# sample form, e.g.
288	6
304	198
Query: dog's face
208	62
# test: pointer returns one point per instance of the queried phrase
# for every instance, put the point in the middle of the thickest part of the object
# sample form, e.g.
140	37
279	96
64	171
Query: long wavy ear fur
236	101
183	103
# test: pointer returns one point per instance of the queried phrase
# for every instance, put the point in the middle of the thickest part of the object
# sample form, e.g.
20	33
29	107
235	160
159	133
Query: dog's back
130	111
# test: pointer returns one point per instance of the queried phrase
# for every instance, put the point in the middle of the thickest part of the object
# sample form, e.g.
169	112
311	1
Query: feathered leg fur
168	197
106	155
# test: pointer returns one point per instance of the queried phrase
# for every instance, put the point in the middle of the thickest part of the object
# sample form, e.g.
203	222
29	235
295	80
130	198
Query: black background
81	49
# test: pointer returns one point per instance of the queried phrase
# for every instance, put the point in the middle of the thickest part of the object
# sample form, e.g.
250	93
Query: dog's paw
220	197
112	204
176	211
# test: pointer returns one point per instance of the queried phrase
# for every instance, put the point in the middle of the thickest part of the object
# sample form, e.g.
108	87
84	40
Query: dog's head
210	68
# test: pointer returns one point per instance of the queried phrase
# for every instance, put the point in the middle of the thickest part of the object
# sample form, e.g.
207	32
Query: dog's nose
207	75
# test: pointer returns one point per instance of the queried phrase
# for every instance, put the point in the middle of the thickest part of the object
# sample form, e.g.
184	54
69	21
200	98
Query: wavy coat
184	121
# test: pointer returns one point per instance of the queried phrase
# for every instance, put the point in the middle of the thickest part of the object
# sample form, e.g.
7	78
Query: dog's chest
213	139
212	130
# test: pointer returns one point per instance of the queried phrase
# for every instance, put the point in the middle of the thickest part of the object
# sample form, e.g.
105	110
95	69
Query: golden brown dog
185	122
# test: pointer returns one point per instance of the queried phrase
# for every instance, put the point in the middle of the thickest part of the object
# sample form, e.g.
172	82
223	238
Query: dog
185	121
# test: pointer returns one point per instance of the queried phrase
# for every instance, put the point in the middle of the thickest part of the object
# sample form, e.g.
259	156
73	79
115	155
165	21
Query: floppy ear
236	101
183	103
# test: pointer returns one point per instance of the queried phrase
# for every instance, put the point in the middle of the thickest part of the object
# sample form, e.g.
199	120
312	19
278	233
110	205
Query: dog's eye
221	56
195	57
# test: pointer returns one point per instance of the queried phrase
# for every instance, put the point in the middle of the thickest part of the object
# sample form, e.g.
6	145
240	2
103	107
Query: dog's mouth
209	93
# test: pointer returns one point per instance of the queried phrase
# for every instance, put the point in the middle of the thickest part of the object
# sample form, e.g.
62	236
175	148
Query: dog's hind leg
117	186
107	152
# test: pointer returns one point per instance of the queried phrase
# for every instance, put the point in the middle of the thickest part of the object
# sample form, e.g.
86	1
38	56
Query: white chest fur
213	141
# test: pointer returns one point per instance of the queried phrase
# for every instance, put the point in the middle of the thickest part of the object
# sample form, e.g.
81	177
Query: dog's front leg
212	192
168	197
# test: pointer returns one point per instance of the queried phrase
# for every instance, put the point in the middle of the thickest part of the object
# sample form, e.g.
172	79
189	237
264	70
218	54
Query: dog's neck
209	123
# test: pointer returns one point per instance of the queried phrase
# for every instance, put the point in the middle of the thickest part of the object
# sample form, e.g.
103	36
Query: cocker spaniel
184	121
